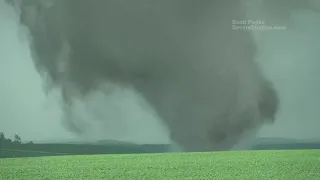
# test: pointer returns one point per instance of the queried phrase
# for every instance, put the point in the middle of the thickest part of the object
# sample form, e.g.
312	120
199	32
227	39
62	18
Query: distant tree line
15	140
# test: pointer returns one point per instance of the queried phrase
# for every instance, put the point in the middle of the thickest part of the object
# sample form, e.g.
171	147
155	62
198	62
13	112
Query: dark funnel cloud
197	72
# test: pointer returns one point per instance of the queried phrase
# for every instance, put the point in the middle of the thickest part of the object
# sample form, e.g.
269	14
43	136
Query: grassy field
246	165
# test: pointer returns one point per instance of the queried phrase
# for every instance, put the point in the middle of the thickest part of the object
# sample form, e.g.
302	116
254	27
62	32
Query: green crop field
242	165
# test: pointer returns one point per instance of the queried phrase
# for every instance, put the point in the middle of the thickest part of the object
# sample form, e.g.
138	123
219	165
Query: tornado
199	75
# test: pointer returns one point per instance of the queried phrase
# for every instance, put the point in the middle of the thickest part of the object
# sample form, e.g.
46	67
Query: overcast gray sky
290	60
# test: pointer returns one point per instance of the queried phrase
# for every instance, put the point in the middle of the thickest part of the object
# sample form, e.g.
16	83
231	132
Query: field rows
293	165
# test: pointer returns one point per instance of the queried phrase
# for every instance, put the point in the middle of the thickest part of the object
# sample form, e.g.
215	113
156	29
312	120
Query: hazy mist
289	58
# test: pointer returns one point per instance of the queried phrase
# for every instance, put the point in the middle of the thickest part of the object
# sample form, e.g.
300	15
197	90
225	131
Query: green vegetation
68	161
295	165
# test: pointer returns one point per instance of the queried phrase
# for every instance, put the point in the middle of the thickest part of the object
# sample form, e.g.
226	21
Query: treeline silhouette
16	147
7	142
